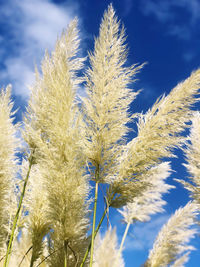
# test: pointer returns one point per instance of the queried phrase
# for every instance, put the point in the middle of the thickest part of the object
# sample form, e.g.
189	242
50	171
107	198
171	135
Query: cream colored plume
150	200
106	252
192	152
52	130
174	237
180	262
8	166
105	109
20	251
159	131
36	221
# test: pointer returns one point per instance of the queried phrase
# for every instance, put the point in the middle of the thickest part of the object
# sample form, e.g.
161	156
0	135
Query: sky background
166	34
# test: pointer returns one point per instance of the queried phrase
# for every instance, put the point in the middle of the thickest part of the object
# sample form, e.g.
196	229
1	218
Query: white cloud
180	31
169	12
143	234
32	26
43	21
159	9
180	19
188	56
127	6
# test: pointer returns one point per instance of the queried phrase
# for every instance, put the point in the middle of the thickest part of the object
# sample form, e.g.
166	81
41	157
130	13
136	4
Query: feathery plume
106	252
52	106
193	150
8	165
174	237
159	131
180	262
192	153
105	109
20	248
150	200
36	223
52	128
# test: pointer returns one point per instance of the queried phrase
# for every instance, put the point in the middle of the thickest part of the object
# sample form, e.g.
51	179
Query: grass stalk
95	233
124	237
9	248
65	252
94	222
65	260
31	264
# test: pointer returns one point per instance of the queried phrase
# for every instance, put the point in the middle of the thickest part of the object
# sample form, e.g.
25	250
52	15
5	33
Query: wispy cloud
171	12
161	10
29	27
188	56
127	6
143	234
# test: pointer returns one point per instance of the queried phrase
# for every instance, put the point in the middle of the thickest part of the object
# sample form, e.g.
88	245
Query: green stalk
9	248
95	233
94	221
65	262
124	237
98	226
65	251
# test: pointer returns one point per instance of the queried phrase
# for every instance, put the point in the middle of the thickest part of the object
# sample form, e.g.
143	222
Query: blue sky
164	33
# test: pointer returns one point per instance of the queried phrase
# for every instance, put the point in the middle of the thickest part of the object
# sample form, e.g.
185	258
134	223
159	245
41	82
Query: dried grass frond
159	129
150	201
36	204
20	247
105	109
174	237
9	145
52	127
192	152
159	132
106	252
180	262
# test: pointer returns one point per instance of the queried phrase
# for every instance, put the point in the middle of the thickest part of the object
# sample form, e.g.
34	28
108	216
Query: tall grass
73	146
